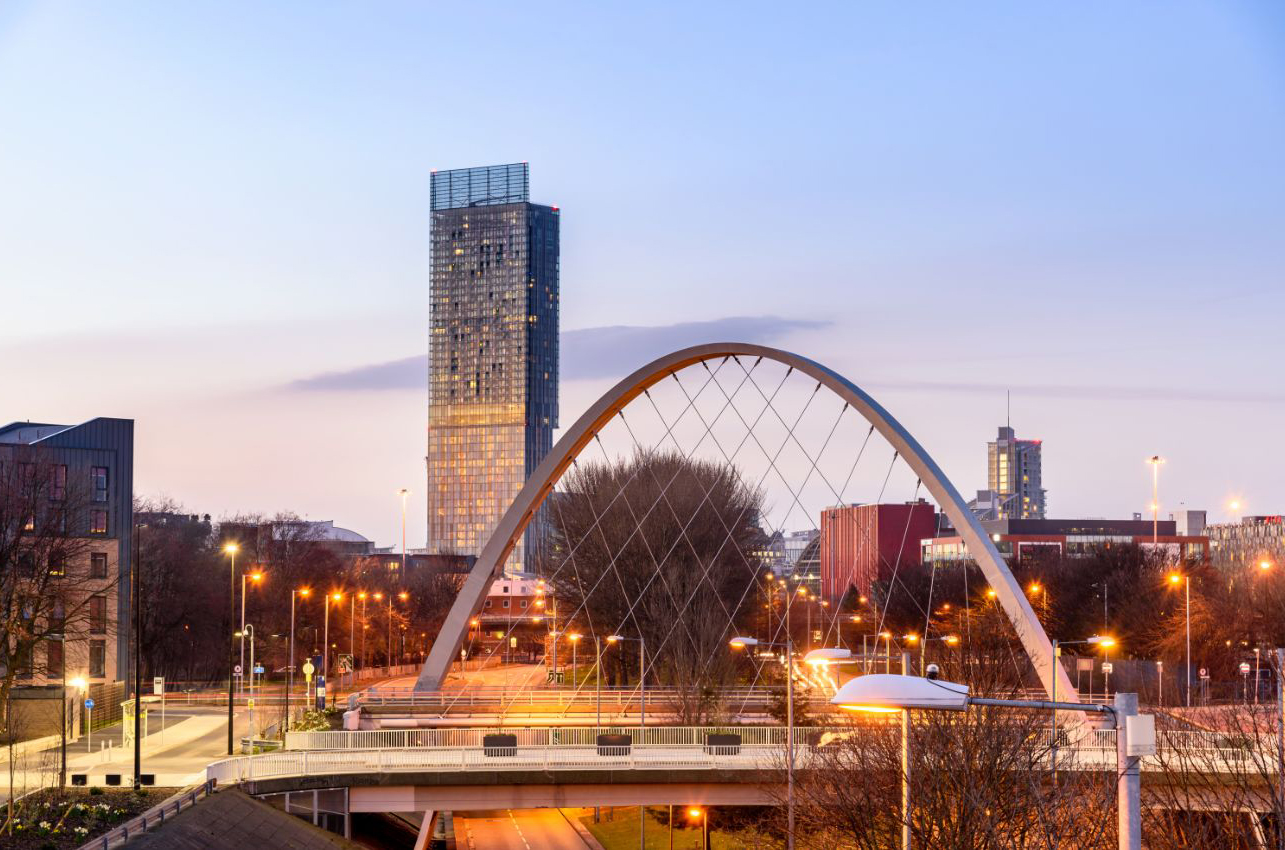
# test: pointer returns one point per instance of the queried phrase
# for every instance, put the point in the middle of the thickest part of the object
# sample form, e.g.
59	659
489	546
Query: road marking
525	843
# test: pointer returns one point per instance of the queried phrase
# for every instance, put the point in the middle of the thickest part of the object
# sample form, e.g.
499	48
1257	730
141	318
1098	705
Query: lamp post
597	651
574	637
256	577
325	645
1155	461
362	597
81	685
1096	640
231	550
743	642
702	816
1256	657
642	717
403	493
290	667
1185	579
887	694
248	629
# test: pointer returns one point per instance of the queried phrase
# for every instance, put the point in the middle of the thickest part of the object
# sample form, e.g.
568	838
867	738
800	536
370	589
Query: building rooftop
487	185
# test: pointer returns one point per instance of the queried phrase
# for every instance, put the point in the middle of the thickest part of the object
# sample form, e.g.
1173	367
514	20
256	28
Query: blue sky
208	206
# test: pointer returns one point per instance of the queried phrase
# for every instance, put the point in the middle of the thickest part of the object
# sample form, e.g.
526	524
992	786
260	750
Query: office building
1027	540
493	355
85	475
862	544
1253	541
1015	488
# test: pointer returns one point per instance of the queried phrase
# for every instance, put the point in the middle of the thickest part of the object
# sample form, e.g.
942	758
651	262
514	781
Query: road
195	736
520	829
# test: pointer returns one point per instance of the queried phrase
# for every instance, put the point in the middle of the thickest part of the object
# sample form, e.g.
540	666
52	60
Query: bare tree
52	597
661	547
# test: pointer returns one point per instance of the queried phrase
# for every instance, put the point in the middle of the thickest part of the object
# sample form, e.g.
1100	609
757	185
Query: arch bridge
709	358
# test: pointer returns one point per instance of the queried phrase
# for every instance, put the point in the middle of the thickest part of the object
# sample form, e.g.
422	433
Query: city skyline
253	238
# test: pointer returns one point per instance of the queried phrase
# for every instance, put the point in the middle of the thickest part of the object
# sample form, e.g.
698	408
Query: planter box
722	745
501	744
615	745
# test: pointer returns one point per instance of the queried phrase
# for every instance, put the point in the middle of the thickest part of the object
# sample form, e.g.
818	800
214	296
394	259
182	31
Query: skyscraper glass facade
1015	475
493	354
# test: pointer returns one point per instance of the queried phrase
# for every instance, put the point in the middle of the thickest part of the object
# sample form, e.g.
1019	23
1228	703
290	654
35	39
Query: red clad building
860	544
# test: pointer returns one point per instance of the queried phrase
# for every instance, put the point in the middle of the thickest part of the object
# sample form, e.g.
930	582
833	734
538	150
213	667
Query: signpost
158	688
89	722
321	693
308	669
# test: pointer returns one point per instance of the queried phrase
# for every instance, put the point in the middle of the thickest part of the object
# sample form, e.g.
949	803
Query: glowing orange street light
1264	564
990	594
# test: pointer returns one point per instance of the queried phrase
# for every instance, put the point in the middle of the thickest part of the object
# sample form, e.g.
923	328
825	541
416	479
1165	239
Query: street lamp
1175	578
362	597
230	550
642	671
888	694
1096	640
82	685
788	646
248	629
256	577
304	592
642	715
1155	461
403	493
700	815
574	637
325	648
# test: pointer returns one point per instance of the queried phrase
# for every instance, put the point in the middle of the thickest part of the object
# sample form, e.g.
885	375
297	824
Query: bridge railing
556	736
490	696
661	748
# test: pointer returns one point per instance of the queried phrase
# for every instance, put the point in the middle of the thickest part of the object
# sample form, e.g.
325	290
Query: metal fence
554	736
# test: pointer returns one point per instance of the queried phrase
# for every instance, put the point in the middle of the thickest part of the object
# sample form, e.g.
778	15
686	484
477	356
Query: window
98	614
98	479
53	658
98	565
523	604
58	490
97	659
488	603
506	603
98	522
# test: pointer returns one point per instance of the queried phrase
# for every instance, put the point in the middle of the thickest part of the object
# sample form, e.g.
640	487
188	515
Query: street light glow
79	683
337	596
695	813
256	576
403	596
303	591
231	549
741	642
1264	564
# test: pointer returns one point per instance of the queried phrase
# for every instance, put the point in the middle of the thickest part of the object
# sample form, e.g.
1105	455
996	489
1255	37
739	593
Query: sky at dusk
215	221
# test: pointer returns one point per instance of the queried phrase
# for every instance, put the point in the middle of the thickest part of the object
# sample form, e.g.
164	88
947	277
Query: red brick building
860	544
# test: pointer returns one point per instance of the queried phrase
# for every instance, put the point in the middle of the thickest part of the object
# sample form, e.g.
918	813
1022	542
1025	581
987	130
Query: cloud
606	352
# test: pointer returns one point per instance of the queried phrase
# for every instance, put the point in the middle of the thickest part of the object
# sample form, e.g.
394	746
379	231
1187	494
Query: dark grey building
94	463
493	354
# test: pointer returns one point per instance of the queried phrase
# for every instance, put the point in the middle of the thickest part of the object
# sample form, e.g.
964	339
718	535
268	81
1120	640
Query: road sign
89	703
158	685
1204	672
345	663
249	703
258	669
1244	667
1107	667
308	670
237	669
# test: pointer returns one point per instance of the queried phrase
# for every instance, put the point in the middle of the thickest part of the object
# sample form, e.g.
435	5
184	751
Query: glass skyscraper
493	354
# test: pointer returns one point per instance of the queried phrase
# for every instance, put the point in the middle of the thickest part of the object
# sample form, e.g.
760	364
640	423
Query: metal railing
154	816
554	736
586	699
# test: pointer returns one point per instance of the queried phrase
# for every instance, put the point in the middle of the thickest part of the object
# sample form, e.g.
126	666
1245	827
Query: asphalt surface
516	829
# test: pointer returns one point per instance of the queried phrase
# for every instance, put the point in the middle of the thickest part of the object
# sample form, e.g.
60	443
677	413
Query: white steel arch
511	526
